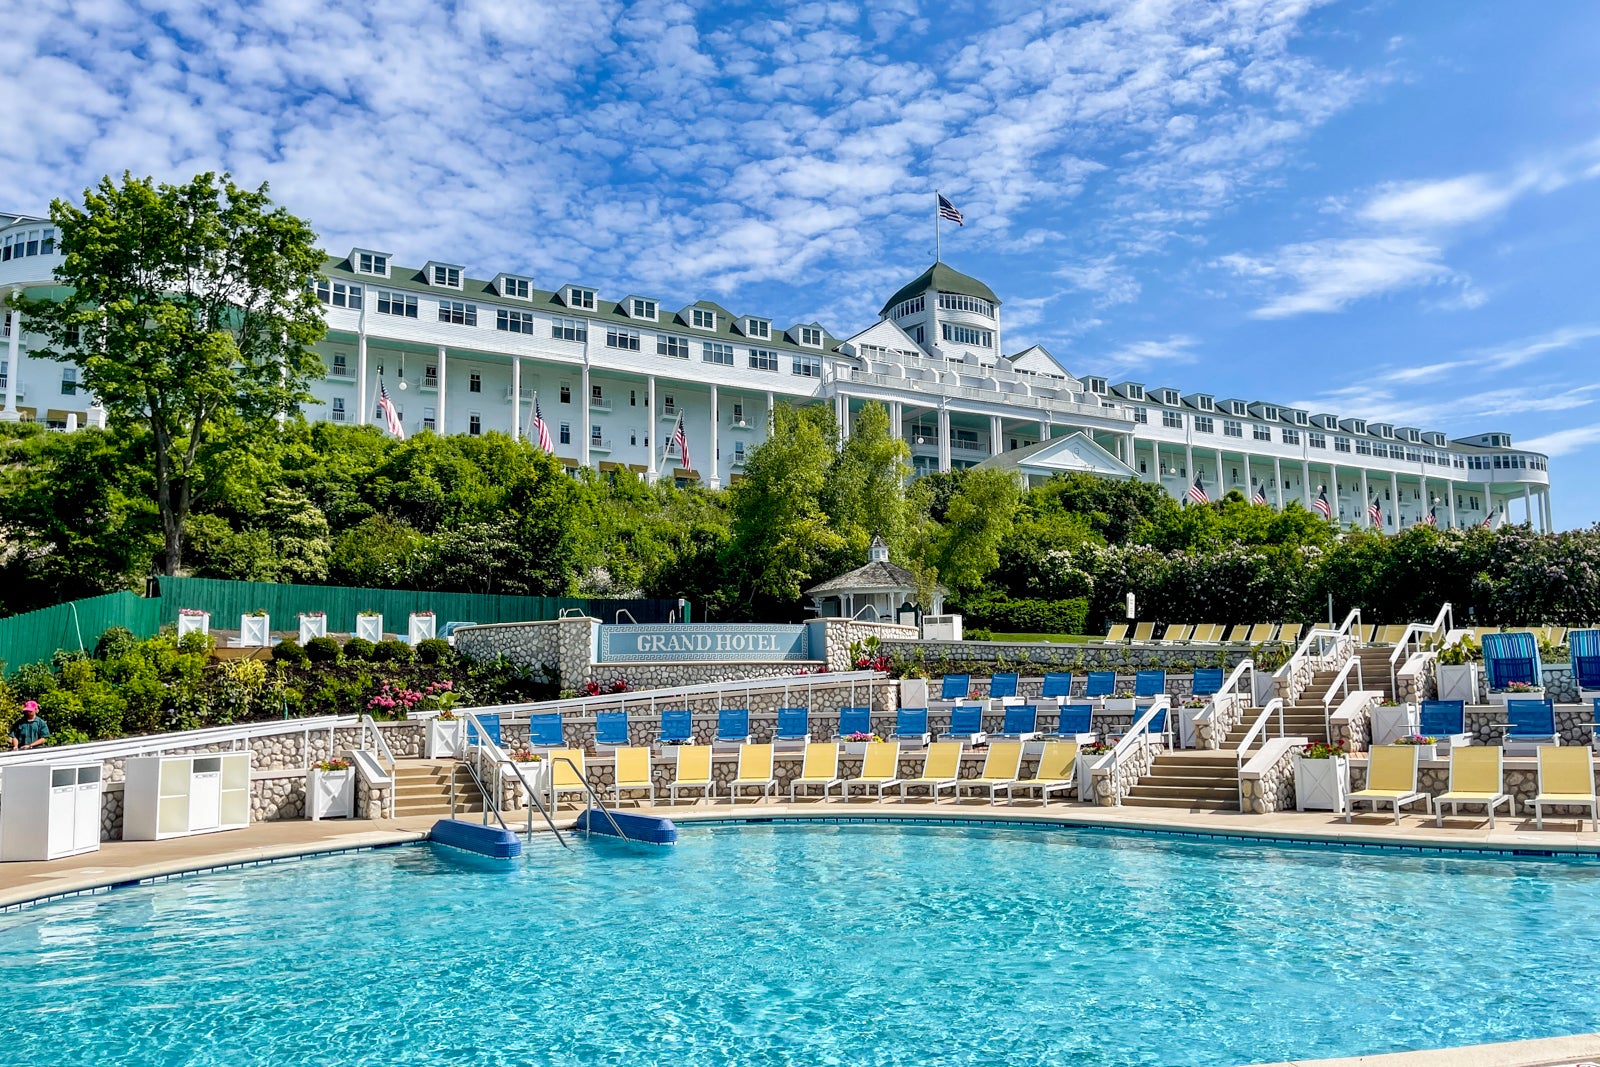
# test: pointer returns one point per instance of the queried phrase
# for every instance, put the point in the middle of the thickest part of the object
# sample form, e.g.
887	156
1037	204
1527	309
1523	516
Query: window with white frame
517	287
715	352
474	382
1202	424
597	394
569	329
1290	437
763	359
738	413
913	306
580	298
458	312
447	276
1317	440
474	424
624	339
757	328
966	335
1260	432
1363	448
961	302
337	409
430	419
642	309
372	263
565	393
671	345
1232	428
402	304
811	336
702	319
566	433
1341	444
807	366
1172	420
341	365
338	294
1141	416
513	321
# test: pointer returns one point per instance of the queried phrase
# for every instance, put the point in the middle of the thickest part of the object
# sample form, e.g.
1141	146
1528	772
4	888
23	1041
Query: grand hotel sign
704	642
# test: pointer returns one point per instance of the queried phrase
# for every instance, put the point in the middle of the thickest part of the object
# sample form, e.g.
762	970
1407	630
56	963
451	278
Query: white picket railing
1230	687
236	737
1442	624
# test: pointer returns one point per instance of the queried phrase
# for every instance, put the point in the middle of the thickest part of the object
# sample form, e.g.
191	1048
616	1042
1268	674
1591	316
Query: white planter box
1263	691
1086	778
1501	698
330	794
1392	722
369	628
1461	681
255	631
446	738
1186	737
419	628
533	776
1122	705
1437	750
854	749
313	627
1321	784
913	692
194	624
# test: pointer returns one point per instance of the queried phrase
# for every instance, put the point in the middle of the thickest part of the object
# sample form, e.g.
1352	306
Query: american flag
1488	520
391	417
1261	495
1197	492
1433	516
1324	508
541	427
680	437
1375	513
948	211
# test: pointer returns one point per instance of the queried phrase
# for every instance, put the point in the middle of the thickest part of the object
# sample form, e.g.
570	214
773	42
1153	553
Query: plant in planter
1427	744
1517	687
328	766
330	789
1321	776
527	757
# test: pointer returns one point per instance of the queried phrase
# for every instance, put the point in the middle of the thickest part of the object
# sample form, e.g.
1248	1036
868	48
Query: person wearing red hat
30	731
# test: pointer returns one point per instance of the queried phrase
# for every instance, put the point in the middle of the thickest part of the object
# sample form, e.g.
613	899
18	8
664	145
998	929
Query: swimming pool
772	944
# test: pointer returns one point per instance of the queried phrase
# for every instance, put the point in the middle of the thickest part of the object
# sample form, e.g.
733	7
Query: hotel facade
613	375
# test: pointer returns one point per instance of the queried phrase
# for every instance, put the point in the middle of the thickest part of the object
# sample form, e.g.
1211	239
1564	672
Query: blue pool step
651	829
481	840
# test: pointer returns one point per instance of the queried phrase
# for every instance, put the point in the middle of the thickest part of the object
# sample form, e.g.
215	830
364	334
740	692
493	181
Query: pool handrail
1138	734
491	798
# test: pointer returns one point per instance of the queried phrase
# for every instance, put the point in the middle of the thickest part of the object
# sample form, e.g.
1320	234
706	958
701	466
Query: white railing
1137	737
1230	687
235	737
1318	638
380	750
1442	624
1256	729
1342	678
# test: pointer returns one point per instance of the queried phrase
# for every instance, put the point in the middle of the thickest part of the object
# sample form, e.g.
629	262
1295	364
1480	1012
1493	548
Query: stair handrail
1273	705
594	799
1323	633
1230	686
1442	623
1138	734
1343	677
486	744
381	749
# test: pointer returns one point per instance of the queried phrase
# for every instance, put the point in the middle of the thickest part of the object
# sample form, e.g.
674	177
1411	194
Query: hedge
1014	616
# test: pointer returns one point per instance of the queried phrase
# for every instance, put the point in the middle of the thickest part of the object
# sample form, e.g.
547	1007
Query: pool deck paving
120	863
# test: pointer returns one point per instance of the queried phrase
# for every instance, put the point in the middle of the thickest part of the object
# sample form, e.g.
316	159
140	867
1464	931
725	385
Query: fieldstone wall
1111	781
1418	679
986	657
1266	782
1211	727
1352	723
1560	684
372	799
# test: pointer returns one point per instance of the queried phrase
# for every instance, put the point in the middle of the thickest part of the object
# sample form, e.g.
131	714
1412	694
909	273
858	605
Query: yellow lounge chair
1477	776
1556	635
1057	773
1261	632
940	770
1002	766
694	771
1144	633
1239	634
1391	779
1207	633
755	772
566	773
820	767
1177	634
1566	777
633	772
1289	632
1392	634
880	768
1117	633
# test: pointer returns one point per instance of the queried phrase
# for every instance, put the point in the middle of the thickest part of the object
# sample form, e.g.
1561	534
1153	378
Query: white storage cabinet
175	796
49	810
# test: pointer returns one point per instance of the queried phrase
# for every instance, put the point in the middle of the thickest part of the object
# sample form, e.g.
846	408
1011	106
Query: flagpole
936	248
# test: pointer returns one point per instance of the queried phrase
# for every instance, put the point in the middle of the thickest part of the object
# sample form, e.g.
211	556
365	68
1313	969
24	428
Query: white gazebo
880	585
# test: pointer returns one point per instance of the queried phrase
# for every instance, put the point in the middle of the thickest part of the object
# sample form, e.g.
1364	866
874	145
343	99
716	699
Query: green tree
865	490
978	518
189	309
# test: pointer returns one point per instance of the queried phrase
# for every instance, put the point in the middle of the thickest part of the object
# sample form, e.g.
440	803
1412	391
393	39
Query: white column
362	414
651	431
716	462
516	397
896	431
440	423
1222	490
1044	429
996	432
1366	501
1549	517
944	440
1450	492
841	413
1394	491
1277	481
13	365
583	428
771	407
1333	483
1305	484
1527	503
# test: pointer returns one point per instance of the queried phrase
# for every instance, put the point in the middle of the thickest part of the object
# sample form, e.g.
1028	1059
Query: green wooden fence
76	624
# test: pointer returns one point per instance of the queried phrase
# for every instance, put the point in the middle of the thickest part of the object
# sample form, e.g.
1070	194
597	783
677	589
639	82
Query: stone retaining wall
1266	781
986	657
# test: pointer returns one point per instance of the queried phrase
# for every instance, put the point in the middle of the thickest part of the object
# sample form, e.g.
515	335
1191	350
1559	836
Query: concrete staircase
422	787
1189	780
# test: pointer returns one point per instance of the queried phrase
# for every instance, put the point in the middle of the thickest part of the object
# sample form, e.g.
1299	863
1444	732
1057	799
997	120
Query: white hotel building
612	373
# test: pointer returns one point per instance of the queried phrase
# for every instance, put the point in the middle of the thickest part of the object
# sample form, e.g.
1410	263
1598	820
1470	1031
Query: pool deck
120	863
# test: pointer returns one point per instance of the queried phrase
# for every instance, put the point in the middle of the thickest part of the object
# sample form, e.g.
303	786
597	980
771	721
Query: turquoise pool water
827	945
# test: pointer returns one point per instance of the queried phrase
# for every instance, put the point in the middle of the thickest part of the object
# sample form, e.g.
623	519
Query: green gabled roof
945	280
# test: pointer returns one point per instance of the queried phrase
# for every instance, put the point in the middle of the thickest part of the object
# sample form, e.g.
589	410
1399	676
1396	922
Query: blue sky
1384	209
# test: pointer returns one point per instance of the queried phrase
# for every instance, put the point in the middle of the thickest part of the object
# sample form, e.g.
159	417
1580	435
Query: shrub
195	643
61	709
393	652
1015	616
115	643
33	680
103	711
291	653
435	650
323	650
358	648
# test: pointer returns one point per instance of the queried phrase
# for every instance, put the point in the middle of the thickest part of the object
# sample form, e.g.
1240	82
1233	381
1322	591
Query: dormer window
520	288
757	328
372	263
1096	385
1358	426
1269	412
1169	396
1413	436
1301	418
702	319
639	308
1236	407
580	298
811	336
1135	392
449	277
1385	431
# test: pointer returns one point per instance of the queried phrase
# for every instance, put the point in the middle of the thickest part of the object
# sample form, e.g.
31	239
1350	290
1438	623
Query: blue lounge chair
1058	685
611	729
544	731
955	686
1207	681
1532	723
1585	648
1100	684
966	724
911	724
491	729
1021	723
794	724
1445	720
855	721
1076	724
1003	685
677	727
1509	658
733	726
1149	683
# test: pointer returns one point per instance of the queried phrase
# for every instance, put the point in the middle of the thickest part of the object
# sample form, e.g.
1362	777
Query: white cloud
1327	275
1177	348
1519	352
1563	442
1449	202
